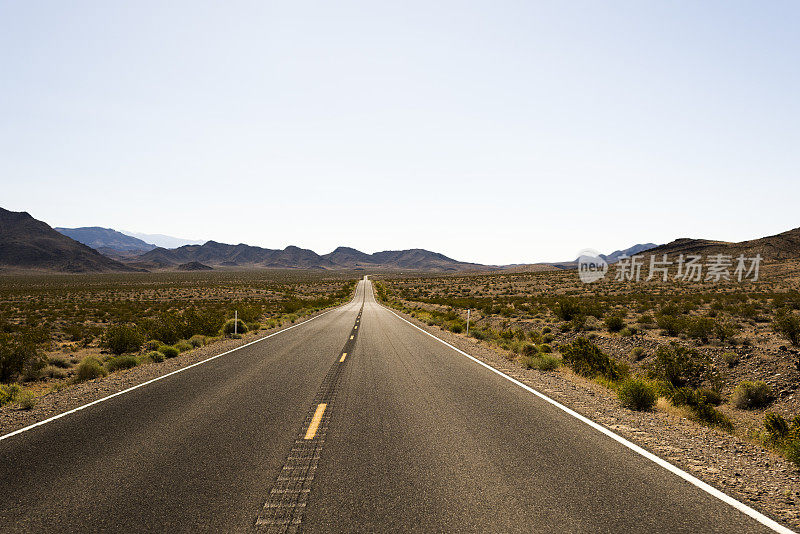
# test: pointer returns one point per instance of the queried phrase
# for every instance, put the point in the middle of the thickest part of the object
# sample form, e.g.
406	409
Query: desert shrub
637	353
166	327
59	361
183	345
681	366
787	324
670	324
793	452
52	371
9	393
645	319
477	334
748	395
125	361
26	400
730	359
776	426
702	410
637	394
706	413
545	348
197	340
90	368
19	357
725	330
591	323
542	362
614	323
711	395
548	338
456	328
529	349
232	324
122	338
154	356
578	323
628	331
586	359
699	328
73	331
168	351
203	322
546	330
253	327
566	310
152	344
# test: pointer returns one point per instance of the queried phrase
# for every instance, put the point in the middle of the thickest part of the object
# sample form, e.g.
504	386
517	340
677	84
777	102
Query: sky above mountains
494	132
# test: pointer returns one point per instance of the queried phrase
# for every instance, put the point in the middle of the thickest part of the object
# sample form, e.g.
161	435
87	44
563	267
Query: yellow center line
344	355
351	337
315	421
355	327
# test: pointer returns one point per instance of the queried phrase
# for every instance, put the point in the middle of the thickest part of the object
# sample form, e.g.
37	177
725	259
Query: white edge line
711	490
137	386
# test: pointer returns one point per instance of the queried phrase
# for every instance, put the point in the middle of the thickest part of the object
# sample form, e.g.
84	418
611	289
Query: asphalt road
401	434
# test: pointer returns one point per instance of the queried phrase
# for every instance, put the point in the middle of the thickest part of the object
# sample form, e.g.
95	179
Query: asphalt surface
413	437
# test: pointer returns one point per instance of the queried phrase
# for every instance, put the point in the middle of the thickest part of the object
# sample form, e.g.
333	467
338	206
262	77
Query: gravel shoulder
755	476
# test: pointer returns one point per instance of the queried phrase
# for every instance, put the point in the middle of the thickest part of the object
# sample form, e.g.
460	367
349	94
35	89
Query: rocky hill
779	247
29	244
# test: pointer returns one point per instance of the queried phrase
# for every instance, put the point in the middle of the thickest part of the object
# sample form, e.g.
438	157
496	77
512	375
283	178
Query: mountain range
216	254
27	243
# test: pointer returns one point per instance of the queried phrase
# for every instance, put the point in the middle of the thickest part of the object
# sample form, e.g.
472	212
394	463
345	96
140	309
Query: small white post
468	310
235	322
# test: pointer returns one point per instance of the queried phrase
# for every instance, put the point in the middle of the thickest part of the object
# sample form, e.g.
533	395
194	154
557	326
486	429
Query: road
402	433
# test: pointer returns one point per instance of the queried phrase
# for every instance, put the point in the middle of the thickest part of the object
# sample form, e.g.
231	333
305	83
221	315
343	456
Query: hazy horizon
495	133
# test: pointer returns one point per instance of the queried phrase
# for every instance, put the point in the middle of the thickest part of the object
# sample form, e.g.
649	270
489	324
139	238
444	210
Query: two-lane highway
408	435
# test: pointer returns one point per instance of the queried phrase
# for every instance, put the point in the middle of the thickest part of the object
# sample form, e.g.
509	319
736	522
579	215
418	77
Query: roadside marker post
235	322
468	310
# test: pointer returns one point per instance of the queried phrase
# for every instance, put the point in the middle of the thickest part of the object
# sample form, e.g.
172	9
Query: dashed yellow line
315	421
344	355
351	337
355	327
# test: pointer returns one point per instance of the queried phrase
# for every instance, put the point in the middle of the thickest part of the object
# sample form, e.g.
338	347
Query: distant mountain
213	253
27	243
106	240
783	246
630	251
420	260
349	256
165	241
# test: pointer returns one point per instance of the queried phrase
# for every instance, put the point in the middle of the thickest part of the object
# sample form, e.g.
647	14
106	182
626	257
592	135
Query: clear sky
496	132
